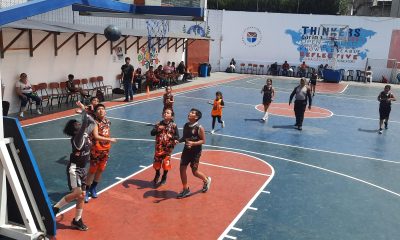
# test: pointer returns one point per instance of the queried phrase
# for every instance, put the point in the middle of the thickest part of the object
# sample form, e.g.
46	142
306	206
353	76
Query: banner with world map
265	38
321	44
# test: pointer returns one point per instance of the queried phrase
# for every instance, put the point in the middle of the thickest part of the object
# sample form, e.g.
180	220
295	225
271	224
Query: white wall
275	44
45	67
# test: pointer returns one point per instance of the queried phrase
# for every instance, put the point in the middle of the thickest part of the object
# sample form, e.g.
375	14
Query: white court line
118	178
237	229
267	192
363	99
230	168
244	209
230	237
141	166
143	101
295	146
249	139
312	166
331	113
306	148
252	208
111	186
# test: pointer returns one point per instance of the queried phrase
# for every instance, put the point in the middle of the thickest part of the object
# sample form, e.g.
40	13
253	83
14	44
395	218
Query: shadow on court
368	130
284	126
254	120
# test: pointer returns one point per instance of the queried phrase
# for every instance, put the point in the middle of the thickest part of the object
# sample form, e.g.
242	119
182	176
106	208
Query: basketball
112	33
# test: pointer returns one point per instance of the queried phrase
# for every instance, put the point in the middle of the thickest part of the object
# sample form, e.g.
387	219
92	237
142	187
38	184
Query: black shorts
313	82
384	112
267	100
191	156
76	176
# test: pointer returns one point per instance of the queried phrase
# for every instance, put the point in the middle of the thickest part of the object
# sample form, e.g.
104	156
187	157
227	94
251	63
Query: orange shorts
98	161
162	161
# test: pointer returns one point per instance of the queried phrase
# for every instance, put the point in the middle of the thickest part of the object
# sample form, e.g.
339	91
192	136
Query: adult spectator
181	69
368	75
285	68
232	65
138	77
127	79
162	76
303	69
151	79
274	69
25	92
302	92
321	70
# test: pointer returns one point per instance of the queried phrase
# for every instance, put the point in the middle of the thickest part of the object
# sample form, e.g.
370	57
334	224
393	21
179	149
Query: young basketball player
268	96
216	112
313	81
168	99
100	150
385	98
76	171
167	136
194	138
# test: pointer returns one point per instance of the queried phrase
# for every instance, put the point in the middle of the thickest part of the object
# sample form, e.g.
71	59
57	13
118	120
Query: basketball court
336	179
269	179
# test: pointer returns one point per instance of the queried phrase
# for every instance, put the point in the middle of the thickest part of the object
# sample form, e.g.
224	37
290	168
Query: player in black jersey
385	98
76	169
194	137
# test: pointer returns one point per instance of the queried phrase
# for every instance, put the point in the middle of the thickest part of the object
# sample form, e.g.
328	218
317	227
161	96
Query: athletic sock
93	186
265	115
61	203
78	214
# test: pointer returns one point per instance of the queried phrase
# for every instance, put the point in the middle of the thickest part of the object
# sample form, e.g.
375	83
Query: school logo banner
251	36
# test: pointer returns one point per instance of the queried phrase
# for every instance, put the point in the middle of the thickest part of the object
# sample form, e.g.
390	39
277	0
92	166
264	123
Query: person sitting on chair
74	89
137	78
232	65
25	92
368	75
151	79
285	68
274	69
303	69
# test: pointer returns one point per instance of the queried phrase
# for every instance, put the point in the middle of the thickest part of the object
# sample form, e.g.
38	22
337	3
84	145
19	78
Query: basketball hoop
156	32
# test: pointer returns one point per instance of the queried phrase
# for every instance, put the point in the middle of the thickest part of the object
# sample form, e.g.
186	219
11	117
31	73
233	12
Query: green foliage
331	7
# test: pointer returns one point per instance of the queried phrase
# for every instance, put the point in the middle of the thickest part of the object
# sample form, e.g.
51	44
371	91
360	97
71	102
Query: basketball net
156	32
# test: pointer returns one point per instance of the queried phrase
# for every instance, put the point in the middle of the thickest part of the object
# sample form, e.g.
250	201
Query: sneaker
87	195
79	225
206	185
126	100
131	99
223	124
212	131
38	112
56	210
386	125
184	193
380	131
21	114
299	128
93	192
163	180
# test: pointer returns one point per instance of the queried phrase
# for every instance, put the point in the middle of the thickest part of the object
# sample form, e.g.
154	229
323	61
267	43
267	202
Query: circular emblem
251	36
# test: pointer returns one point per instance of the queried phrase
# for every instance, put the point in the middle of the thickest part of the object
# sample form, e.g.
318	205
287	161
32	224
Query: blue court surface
336	179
